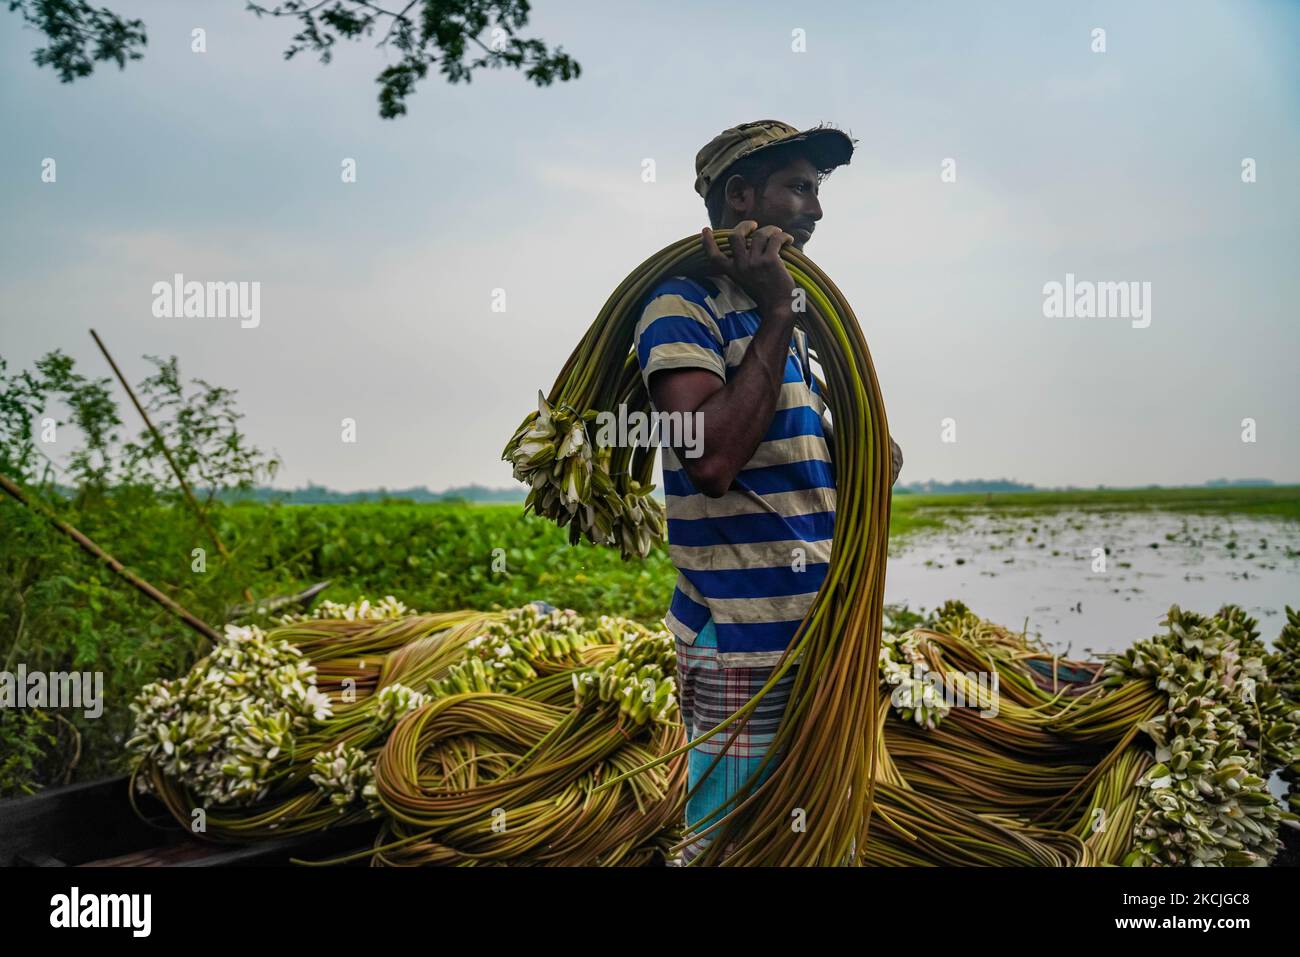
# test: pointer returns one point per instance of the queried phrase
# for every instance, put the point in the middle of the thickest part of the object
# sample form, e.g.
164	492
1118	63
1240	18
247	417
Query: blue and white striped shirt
754	558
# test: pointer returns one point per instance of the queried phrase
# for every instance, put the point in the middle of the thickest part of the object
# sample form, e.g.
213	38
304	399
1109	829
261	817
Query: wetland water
1039	565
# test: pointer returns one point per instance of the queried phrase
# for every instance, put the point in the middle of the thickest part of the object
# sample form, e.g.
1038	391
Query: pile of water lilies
280	732
538	737
1228	725
1284	671
267	732
1001	753
222	726
519	779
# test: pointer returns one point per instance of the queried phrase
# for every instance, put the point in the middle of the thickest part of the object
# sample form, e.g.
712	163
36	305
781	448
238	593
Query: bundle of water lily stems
497	779
1161	758
275	732
487	730
512	738
831	723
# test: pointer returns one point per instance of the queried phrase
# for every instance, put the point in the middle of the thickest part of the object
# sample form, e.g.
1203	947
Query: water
1039	566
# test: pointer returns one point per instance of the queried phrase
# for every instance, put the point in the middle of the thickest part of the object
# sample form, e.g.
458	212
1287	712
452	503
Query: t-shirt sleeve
678	330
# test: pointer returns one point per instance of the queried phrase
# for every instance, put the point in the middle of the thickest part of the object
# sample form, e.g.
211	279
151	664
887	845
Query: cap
825	146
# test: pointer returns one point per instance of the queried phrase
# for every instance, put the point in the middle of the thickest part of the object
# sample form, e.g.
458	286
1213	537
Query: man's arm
734	414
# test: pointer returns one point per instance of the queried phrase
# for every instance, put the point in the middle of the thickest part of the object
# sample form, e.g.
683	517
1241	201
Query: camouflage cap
825	146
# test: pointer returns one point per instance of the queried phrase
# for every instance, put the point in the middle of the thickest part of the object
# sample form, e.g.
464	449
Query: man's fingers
717	258
740	250
775	240
710	244
750	244
779	238
758	243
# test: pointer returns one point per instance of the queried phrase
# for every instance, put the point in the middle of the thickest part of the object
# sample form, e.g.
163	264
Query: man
750	517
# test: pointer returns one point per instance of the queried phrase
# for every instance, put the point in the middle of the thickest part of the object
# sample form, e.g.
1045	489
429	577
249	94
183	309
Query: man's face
789	201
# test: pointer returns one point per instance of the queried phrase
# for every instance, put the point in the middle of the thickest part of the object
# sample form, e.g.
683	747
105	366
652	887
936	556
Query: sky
376	296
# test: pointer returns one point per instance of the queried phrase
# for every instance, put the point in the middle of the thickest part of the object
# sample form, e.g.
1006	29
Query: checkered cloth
708	694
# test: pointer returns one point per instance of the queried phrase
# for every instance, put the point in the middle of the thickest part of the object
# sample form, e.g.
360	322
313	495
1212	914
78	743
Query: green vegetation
929	510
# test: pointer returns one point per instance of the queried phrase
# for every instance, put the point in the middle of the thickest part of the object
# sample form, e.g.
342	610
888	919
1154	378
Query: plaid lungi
708	694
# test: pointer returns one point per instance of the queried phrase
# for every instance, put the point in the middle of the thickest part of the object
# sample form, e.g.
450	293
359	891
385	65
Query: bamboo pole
185	487
198	624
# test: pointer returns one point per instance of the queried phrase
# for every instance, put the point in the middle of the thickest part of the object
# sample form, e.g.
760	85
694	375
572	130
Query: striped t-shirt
753	558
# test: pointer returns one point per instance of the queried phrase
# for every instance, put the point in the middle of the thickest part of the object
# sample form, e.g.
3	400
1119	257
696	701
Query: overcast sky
376	296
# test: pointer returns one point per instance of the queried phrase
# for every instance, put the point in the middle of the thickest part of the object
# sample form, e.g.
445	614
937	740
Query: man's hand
755	266
735	413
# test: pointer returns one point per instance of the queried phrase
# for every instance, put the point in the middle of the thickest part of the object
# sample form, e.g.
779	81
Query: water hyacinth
228	725
1206	800
582	486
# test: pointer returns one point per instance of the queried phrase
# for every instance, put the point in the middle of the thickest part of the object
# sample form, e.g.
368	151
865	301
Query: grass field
916	511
